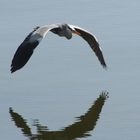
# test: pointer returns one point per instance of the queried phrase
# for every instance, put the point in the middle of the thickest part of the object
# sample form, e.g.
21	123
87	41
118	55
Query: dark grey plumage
93	44
23	53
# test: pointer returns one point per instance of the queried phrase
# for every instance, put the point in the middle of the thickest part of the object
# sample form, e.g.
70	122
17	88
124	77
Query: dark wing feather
22	55
92	42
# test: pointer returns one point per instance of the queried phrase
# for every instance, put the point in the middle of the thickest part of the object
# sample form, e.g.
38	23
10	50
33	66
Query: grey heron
25	50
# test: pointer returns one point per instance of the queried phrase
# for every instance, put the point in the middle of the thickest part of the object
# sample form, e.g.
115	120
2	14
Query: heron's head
66	31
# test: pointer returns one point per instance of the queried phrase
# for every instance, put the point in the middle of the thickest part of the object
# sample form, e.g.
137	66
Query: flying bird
25	50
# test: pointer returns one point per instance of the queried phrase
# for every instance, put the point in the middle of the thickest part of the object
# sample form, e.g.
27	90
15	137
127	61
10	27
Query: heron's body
25	50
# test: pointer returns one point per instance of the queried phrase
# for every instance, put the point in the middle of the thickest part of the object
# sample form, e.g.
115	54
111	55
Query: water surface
64	79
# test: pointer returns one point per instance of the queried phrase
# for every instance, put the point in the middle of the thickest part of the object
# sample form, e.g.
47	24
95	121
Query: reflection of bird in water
79	129
20	122
25	50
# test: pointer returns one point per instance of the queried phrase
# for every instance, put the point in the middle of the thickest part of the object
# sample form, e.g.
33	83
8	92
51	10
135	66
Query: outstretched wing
92	41
25	50
22	55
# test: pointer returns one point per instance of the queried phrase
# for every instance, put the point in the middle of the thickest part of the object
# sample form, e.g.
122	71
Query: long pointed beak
75	32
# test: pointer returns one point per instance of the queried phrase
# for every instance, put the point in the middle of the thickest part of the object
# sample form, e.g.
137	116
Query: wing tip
12	70
105	66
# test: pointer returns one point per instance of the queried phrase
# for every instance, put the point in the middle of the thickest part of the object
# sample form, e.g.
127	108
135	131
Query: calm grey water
64	80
